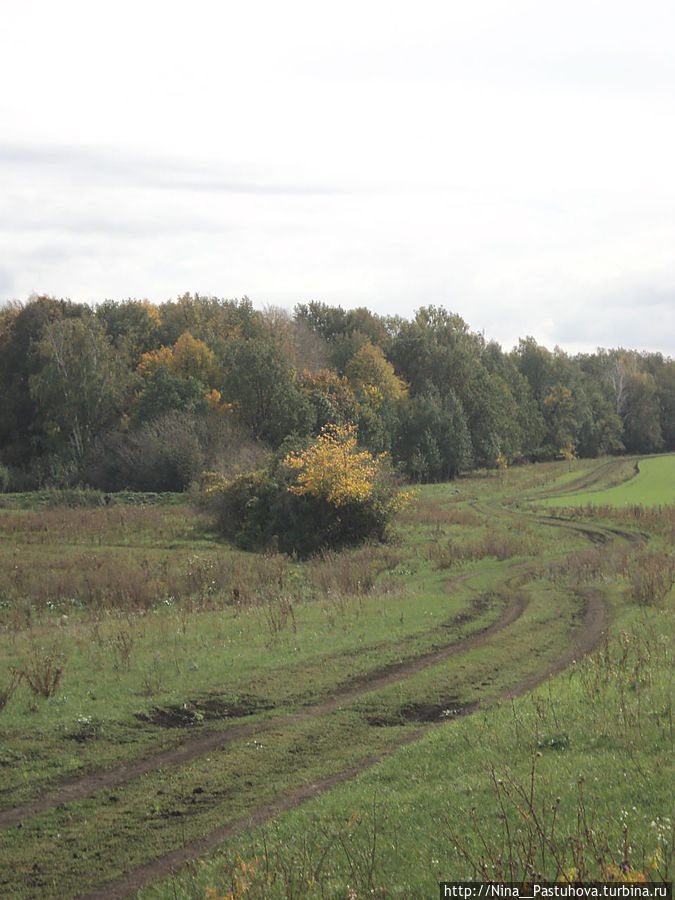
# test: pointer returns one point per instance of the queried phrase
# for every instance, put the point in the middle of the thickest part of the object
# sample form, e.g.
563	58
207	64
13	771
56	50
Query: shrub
330	495
42	672
168	453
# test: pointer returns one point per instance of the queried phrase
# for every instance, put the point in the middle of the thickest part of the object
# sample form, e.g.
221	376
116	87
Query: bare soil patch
425	712
207	709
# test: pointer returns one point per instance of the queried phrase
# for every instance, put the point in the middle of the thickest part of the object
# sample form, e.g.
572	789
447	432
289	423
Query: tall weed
652	576
42	671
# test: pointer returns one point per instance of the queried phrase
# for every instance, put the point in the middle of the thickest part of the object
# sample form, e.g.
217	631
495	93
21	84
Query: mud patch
205	709
423	712
477	607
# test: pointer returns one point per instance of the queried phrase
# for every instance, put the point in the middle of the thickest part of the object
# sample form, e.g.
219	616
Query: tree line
142	396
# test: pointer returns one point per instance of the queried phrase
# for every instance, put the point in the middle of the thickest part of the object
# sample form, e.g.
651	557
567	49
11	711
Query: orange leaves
152	360
215	402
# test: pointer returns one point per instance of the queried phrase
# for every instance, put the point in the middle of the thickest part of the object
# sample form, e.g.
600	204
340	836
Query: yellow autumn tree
331	494
333	468
373	378
192	357
189	357
155	359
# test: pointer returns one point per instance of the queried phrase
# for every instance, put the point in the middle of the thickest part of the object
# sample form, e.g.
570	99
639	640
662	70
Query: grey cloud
50	254
111	228
6	282
162	173
638	318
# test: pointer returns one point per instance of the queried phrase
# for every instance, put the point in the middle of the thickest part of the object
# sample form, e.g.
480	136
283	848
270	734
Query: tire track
86	786
596	534
594	623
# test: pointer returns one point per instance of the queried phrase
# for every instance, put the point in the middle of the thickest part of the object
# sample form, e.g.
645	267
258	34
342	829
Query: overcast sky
511	160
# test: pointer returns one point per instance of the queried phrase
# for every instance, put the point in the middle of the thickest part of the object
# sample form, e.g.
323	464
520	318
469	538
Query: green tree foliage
22	438
600	428
635	380
330	397
438	349
520	418
641	415
536	364
433	441
435	394
260	383
664	380
209	319
4	478
132	326
433	349
80	383
164	391
344	332
175	378
559	412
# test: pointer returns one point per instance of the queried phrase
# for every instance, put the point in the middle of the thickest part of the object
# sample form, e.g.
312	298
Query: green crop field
652	485
486	695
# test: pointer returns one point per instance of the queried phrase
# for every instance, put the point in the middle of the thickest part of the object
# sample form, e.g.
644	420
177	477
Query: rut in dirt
593	626
594	622
86	786
82	787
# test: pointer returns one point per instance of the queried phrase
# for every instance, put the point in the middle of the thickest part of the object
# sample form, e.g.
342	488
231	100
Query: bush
169	453
328	496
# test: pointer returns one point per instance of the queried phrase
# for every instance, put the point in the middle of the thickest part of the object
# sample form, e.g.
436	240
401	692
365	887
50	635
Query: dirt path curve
86	786
589	480
79	788
592	627
594	532
590	630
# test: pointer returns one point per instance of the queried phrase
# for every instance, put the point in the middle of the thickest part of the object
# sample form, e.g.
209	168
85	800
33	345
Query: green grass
589	755
654	485
155	623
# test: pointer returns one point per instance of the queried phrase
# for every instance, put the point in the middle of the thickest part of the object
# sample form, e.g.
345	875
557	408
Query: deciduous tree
80	383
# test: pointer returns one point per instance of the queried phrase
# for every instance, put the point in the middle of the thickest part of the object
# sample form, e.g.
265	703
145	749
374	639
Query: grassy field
391	716
653	484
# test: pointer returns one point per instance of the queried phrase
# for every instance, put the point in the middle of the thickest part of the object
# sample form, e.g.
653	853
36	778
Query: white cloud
512	161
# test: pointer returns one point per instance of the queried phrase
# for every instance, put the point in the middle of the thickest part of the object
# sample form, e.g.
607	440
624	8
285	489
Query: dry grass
351	574
102	525
500	544
433	513
655	519
8	687
651	576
